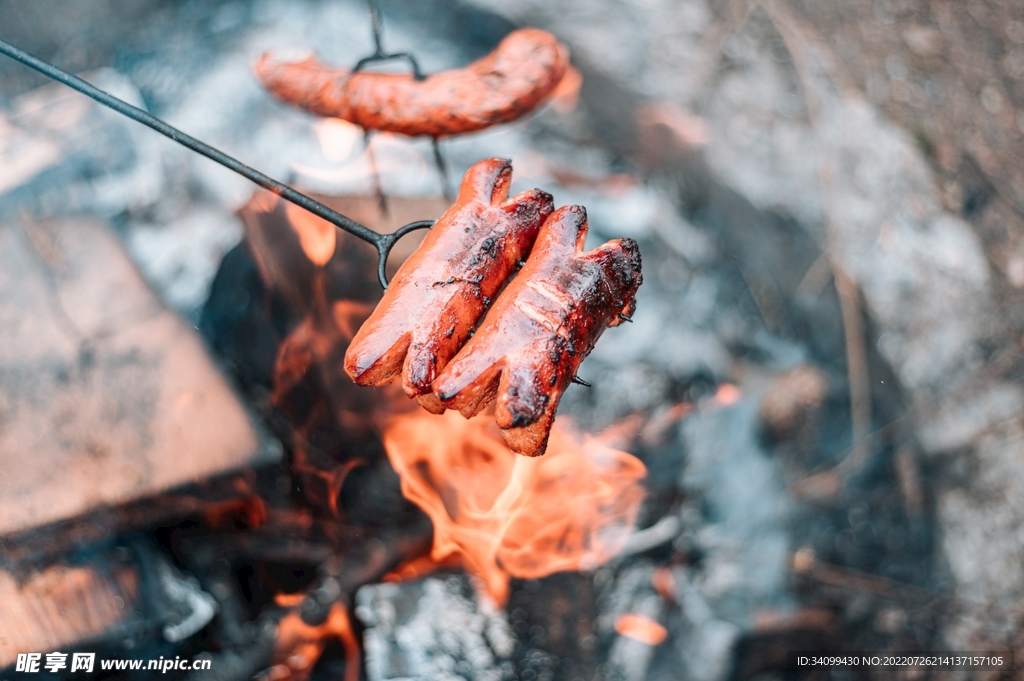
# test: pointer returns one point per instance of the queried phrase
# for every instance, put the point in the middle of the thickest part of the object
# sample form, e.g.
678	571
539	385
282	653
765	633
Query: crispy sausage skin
440	293
545	322
505	85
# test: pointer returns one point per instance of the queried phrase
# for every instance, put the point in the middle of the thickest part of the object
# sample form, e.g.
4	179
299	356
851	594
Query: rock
119	597
105	396
63	605
433	630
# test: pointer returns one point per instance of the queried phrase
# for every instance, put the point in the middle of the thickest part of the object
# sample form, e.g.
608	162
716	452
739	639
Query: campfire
780	449
503	515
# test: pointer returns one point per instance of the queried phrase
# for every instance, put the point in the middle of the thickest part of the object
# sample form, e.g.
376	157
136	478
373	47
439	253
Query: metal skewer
439	162
378	186
382	242
379	55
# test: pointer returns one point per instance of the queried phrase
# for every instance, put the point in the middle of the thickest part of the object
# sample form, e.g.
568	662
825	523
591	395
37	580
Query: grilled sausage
440	293
545	322
505	85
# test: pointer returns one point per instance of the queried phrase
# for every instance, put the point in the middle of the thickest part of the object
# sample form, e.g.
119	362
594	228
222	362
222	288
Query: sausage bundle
441	292
434	328
529	346
510	82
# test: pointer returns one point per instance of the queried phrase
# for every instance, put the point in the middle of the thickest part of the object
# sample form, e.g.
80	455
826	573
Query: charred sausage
440	293
505	85
545	322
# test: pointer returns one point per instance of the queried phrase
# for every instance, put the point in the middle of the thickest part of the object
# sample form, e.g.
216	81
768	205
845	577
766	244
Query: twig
661	532
908	476
816	278
898	427
804	562
857	372
794	35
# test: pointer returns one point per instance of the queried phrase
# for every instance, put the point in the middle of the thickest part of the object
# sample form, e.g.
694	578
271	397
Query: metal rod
441	170
416	73
377	23
378	27
378	186
382	242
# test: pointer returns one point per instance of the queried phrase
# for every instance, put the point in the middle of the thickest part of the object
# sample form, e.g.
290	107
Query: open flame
317	237
506	515
300	645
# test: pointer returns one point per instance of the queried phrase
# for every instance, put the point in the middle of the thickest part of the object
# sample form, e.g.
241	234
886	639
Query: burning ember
506	515
299	645
641	628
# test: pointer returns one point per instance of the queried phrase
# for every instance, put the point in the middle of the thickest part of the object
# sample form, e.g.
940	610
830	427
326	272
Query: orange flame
640	628
512	516
317	236
420	567
299	645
